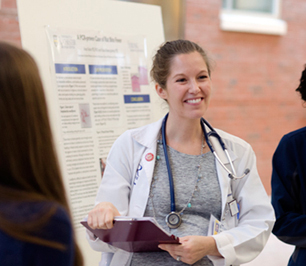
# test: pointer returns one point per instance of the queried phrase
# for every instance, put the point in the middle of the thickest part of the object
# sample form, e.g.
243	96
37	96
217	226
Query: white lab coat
128	190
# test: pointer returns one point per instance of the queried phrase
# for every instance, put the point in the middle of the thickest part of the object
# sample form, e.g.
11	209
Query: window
264	6
257	16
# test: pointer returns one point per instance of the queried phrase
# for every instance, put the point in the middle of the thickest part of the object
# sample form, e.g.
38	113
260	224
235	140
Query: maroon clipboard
134	235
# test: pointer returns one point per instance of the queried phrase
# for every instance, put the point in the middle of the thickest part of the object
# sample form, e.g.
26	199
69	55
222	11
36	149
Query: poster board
121	18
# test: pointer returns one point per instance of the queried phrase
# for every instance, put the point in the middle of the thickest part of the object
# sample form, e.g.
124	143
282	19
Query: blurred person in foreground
35	222
289	188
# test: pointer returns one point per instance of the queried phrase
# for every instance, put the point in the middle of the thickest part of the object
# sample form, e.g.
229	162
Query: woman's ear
160	91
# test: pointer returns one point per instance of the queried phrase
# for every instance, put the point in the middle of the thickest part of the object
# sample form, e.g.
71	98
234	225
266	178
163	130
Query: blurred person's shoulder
292	143
56	227
295	135
26	211
296	139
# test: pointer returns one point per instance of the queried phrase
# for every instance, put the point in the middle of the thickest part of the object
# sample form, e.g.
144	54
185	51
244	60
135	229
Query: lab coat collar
148	135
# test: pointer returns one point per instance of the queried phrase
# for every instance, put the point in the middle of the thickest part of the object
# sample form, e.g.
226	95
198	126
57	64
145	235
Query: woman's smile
193	101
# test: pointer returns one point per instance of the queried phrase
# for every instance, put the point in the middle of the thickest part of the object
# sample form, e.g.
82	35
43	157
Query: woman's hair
29	170
167	51
302	87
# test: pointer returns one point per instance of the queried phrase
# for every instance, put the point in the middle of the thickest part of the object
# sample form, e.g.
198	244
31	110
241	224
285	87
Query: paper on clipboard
134	234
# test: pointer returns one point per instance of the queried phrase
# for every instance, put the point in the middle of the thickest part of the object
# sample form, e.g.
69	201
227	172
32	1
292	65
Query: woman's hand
102	216
192	248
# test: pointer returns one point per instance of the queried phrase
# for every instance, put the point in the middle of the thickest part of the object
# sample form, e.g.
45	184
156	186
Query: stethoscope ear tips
246	171
230	176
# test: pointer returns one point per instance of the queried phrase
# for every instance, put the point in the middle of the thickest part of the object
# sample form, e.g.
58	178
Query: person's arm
286	192
114	191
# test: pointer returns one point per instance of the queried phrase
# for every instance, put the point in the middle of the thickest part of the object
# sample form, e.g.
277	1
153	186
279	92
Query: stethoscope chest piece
173	220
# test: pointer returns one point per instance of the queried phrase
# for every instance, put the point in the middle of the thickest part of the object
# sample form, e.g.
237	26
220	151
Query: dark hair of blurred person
302	87
35	222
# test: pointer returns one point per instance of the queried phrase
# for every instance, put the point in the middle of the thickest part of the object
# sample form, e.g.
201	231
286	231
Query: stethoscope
173	219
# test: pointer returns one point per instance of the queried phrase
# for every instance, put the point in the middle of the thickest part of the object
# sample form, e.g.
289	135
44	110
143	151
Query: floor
275	253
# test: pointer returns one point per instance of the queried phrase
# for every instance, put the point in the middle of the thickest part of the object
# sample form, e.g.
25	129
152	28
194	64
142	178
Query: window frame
252	21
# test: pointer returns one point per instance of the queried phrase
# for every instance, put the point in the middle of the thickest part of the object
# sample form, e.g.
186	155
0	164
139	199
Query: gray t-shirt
205	201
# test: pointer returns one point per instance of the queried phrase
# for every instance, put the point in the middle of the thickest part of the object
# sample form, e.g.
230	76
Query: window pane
254	5
224	3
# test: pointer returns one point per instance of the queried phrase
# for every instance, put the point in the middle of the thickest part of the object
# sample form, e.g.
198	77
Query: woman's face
188	86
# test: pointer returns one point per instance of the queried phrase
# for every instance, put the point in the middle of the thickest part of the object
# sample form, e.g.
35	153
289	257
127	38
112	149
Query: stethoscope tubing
211	133
172	197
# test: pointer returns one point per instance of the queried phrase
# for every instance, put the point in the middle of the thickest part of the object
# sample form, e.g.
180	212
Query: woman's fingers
93	220
173	250
108	220
192	248
102	216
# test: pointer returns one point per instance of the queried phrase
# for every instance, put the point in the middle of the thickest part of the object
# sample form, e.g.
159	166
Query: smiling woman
167	171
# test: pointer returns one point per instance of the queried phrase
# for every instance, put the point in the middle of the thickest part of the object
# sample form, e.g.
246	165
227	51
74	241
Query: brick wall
254	77
9	24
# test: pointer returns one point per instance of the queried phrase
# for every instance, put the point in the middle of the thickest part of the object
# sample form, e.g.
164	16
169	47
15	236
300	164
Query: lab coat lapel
147	137
148	163
224	180
142	181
